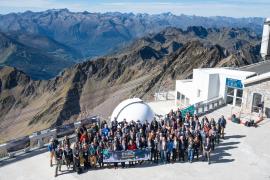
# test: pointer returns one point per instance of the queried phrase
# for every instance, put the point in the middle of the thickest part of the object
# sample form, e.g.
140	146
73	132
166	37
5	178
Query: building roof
228	71
259	68
259	78
133	109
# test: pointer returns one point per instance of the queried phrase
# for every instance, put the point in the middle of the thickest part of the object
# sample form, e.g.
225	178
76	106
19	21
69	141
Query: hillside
32	60
77	36
97	86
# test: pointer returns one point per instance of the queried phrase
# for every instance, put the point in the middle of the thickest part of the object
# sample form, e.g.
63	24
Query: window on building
229	100
182	97
230	91
198	93
257	100
187	101
178	95
230	95
239	95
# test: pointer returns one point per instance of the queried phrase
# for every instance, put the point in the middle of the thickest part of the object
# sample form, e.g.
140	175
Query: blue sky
234	8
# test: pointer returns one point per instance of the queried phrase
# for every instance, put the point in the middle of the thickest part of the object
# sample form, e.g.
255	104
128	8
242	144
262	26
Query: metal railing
41	138
208	106
164	96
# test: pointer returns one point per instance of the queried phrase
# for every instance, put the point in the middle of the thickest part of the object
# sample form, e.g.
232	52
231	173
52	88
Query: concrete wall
263	88
214	86
200	82
265	49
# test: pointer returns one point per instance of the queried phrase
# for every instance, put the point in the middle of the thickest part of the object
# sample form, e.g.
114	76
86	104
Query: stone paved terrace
243	155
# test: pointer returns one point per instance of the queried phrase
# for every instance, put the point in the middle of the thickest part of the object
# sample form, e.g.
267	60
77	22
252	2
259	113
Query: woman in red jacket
131	146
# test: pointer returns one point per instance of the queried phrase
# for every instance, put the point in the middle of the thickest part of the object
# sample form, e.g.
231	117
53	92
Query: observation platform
244	154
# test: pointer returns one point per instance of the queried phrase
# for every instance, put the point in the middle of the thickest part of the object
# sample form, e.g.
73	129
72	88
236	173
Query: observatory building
247	87
133	109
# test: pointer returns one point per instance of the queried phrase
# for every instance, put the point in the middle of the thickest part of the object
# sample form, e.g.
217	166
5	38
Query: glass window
178	95
183	97
230	91
238	102
187	101
198	93
239	93
229	100
257	99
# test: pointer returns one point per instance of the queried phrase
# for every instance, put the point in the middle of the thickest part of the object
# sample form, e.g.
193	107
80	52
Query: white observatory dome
133	109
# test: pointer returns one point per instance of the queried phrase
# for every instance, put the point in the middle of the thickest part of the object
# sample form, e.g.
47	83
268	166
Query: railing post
77	124
53	133
40	143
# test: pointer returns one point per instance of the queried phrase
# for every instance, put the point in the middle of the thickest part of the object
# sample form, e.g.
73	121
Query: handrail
38	139
204	107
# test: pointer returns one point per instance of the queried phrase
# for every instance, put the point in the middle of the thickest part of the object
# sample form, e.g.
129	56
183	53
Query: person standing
190	149
131	146
222	124
207	149
59	159
169	149
52	147
175	148
163	149
197	145
182	149
76	158
85	155
68	156
93	154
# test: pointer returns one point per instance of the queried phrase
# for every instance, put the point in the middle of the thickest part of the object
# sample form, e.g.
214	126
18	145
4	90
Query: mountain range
64	37
96	86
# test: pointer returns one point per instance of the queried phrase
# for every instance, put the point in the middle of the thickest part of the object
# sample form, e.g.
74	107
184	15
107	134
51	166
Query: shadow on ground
20	157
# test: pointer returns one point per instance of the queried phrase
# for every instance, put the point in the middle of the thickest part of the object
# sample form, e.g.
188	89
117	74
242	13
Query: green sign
190	109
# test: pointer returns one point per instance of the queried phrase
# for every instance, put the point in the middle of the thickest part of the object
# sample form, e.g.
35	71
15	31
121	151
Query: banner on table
126	156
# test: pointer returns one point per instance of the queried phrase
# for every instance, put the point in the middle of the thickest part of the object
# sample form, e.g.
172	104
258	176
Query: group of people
171	139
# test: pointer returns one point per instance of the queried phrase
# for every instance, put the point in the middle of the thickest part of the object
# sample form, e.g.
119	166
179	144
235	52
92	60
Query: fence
40	138
205	107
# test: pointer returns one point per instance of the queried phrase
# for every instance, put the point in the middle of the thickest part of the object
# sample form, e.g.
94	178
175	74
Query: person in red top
84	138
131	146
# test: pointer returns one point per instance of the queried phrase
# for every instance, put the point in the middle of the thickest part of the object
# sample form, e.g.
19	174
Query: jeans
182	154
58	166
162	155
174	154
190	154
169	156
207	155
